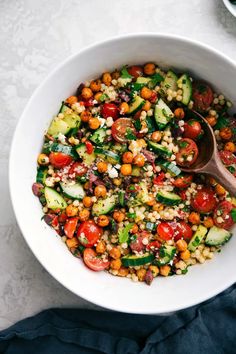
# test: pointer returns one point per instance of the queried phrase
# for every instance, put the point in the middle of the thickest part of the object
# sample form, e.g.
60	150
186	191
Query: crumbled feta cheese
102	121
109	121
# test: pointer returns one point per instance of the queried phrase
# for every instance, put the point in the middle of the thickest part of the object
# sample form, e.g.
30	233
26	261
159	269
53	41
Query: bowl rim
171	308
230	7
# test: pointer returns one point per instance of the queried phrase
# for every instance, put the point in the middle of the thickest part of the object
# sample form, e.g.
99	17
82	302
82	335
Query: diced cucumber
151	124
121	198
136	171
186	83
159	149
63	108
170	82
151	226
197	238
54	199
166	254
56	147
117	147
168	198
75	191
133	260
109	156
72	119
143	80
58	126
41	174
104	206
98	136
136	105
162	114
169	167
88	159
217	236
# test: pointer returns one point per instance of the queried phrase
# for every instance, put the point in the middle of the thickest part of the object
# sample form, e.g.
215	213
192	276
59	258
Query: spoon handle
217	170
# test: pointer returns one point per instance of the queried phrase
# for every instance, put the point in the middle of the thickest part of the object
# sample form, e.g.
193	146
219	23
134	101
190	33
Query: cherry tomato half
227	157
120	128
192	129
153	246
70	226
223	210
135	70
202	96
93	262
204	200
59	159
89	147
183	181
183	230
110	110
165	231
137	244
159	179
89	233
187	148
78	168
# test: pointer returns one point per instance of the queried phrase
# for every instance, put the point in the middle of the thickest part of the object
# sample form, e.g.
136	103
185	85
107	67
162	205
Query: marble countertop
34	37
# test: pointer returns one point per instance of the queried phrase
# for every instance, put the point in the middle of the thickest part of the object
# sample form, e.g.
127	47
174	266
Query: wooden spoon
209	161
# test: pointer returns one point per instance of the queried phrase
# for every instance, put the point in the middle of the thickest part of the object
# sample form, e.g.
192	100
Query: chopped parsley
183	144
123	234
222	122
130	135
103	97
137	124
125	74
233	214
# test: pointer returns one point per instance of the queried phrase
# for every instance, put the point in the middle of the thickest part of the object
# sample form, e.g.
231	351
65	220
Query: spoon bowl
208	161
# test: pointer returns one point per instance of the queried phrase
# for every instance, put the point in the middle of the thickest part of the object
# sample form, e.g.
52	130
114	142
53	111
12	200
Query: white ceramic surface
231	7
165	294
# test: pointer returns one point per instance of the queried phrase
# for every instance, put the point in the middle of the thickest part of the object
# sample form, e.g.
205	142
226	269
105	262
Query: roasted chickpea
118	216
165	270
208	222
154	270
115	253
146	106
95	85
230	146
211	120
100	191
134	229
124	108
149	69
127	157
141	274
179	113
146	93
139	160
156	136
87	201
212	181
151	201
115	75
71	100
126	169
101	247
102	167
84	215
71	210
185	255
86	185
85	116
158	207
97	96
194	218
43	159
219	190
106	79
181	245
94	123
103	220
117	181
72	242
115	264
87	93
226	133
123	272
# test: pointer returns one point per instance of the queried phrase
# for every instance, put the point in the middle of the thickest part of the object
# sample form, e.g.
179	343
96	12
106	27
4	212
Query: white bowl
165	294
230	7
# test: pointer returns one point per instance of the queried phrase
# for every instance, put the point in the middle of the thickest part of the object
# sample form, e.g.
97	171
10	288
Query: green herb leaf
123	234
125	74
103	97
151	124
184	271
233	214
183	144
130	135
155	79
222	122
137	124
231	169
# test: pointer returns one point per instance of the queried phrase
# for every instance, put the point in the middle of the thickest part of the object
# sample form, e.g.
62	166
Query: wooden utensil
209	162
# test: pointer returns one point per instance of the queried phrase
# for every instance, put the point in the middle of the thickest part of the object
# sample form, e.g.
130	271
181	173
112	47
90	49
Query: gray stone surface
35	35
